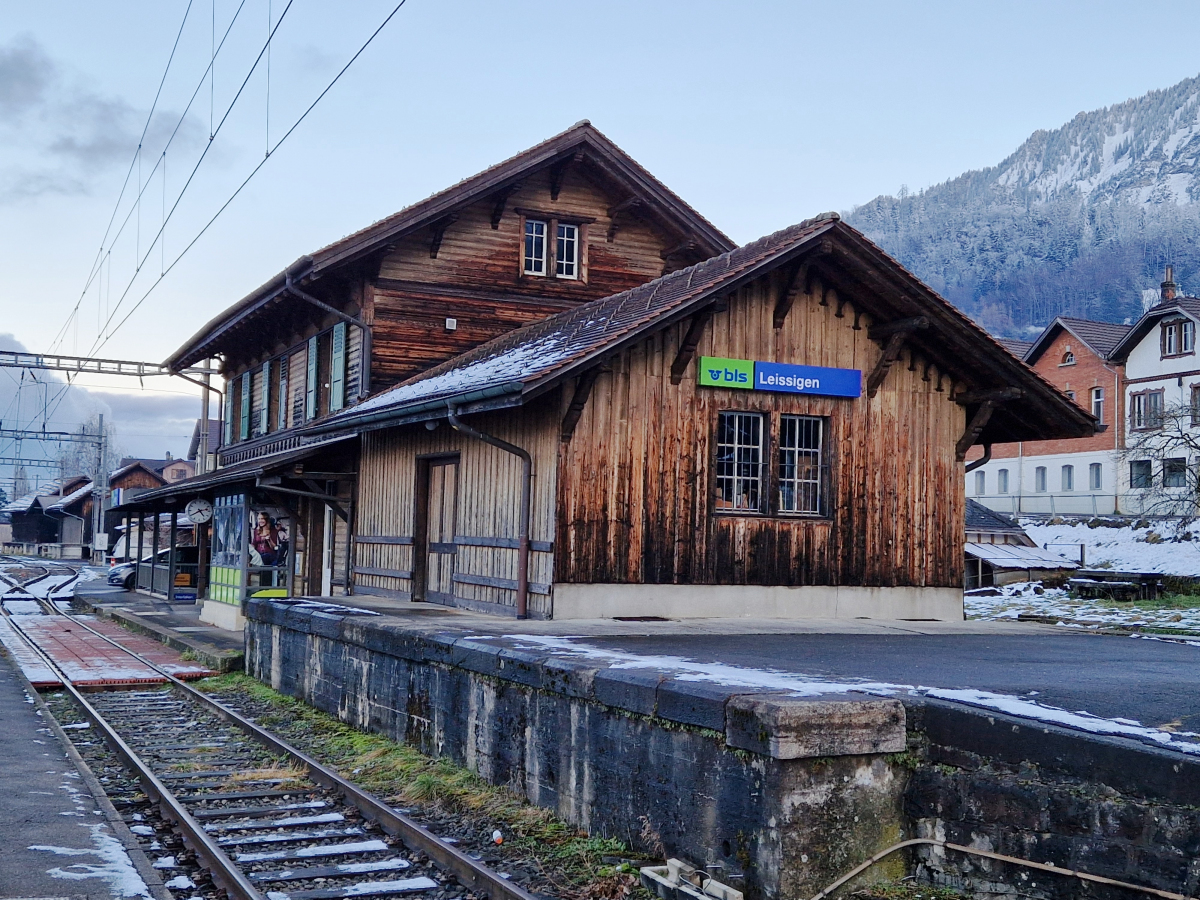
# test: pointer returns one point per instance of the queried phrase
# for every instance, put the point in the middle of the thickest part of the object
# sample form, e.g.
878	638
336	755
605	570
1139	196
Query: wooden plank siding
476	277
489	492
636	482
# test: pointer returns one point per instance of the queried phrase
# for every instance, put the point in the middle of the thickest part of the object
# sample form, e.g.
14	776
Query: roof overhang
1144	325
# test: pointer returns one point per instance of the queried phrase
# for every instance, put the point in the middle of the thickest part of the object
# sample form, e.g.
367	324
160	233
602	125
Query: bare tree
1162	463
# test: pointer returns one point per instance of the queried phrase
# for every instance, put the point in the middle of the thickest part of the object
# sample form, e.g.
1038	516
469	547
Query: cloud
57	133
26	73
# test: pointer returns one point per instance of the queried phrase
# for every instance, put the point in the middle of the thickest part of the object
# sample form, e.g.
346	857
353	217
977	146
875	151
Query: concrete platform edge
214	657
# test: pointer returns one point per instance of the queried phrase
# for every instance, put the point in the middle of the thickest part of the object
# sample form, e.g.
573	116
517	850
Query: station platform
56	838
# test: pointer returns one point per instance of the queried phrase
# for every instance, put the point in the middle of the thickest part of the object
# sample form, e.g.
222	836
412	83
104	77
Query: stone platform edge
214	657
758	720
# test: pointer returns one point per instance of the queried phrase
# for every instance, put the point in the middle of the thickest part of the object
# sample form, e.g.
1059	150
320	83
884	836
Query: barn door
441	513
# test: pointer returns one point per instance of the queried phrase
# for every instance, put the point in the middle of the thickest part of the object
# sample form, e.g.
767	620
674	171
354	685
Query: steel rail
472	875
220	867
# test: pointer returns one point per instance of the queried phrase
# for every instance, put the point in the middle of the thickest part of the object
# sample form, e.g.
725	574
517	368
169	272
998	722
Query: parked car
123	573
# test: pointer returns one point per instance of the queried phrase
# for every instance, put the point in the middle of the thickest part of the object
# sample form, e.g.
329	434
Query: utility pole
202	449
99	495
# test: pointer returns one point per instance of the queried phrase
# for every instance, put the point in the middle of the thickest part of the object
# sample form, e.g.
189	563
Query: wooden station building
556	390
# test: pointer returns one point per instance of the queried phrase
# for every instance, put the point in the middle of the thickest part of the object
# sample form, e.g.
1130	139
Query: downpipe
526	492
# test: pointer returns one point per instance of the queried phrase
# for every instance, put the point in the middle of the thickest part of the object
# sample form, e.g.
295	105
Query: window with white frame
535	247
1146	410
800	464
740	440
1178	337
1070	395
1068	478
1175	472
1039	479
1068	359
1187	336
1096	477
1098	404
980	483
566	257
1002	481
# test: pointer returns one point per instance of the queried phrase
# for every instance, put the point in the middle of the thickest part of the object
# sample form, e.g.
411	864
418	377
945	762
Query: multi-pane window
1178	337
1002	481
1174	473
800	464
1095	476
1146	410
1098	404
980	483
1068	359
1068	478
1140	475
1039	479
739	461
566	257
1195	410
535	247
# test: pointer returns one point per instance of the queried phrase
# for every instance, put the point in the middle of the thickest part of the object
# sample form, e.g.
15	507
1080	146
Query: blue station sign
783	378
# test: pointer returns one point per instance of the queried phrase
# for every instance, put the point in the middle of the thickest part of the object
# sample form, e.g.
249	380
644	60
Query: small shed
998	551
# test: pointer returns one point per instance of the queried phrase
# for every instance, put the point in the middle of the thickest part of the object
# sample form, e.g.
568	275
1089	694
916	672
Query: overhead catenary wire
248	178
132	163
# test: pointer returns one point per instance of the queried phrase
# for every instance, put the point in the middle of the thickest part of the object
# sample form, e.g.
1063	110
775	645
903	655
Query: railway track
26	578
254	817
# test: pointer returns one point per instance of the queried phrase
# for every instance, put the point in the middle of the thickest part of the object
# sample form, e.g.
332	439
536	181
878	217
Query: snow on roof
1016	556
28	501
74	497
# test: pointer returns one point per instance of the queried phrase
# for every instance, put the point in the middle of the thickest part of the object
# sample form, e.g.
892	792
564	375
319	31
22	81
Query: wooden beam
439	231
691	340
500	201
783	304
974	429
998	395
688	246
890	351
887	329
629	204
583	389
558	171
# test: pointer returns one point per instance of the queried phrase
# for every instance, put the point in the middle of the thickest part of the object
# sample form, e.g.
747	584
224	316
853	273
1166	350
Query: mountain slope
1078	221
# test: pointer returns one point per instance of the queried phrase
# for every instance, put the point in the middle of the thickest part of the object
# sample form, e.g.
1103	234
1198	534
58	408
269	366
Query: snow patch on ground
1122	549
805	686
111	864
1019	599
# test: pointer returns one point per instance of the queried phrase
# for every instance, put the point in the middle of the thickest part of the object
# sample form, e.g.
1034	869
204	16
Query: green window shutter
283	393
228	436
264	412
337	368
310	388
244	432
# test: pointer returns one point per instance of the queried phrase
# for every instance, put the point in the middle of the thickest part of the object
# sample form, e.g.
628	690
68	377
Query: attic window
1178	337
554	246
535	247
1068	359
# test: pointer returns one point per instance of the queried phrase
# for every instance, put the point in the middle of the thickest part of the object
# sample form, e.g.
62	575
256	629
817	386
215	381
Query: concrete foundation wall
790	792
606	601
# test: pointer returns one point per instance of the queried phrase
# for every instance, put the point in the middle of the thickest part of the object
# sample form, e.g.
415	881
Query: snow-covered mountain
1078	220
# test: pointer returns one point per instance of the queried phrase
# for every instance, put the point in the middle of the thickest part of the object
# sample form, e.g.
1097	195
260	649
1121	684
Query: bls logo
729	376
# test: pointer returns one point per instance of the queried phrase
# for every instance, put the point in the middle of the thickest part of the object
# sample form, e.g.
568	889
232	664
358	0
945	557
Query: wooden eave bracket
439	231
896	333
783	305
583	390
691	340
558	171
629	204
988	401
501	201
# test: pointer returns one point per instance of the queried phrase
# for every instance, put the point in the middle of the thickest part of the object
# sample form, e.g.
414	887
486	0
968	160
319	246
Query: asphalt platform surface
55	841
1154	682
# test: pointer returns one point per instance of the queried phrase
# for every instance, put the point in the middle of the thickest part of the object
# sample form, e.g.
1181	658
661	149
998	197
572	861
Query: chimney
1169	289
169	452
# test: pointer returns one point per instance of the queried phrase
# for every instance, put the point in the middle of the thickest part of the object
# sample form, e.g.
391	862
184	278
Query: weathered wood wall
488	502
476	277
636	482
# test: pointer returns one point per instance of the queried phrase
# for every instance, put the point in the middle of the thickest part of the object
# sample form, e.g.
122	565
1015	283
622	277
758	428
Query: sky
759	114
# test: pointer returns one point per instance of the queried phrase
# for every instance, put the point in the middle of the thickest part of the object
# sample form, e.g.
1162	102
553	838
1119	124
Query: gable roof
214	438
128	467
76	496
581	139
1015	347
49	489
1099	337
983	518
1189	306
522	364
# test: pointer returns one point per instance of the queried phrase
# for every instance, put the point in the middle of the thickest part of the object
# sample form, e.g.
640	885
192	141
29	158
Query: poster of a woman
264	541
